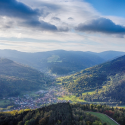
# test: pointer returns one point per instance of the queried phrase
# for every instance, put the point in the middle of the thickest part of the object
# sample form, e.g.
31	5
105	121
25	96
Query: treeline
80	117
62	114
115	113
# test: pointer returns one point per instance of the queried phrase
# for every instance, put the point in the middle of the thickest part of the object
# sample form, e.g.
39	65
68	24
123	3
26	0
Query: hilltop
64	114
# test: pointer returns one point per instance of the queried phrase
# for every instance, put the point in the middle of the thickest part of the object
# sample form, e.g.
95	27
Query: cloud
63	29
102	25
40	25
55	18
29	16
70	18
14	8
53	22
44	15
38	46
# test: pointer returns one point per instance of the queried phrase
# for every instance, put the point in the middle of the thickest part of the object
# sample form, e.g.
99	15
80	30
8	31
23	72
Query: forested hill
64	114
105	80
59	62
16	78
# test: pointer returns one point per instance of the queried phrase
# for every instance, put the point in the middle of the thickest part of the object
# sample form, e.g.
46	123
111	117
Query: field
123	106
72	98
54	58
4	103
59	83
89	92
103	118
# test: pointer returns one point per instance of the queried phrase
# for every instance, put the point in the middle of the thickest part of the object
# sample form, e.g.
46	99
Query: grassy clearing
54	58
59	83
72	98
103	118
89	92
4	103
123	106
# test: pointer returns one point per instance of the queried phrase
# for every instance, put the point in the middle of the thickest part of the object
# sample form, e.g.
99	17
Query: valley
49	95
24	87
34	100
62	62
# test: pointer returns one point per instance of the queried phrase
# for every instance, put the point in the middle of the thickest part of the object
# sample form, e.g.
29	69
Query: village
39	99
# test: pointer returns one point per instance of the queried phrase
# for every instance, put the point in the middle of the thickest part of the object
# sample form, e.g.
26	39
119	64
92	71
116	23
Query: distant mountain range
110	55
60	62
16	78
104	82
107	78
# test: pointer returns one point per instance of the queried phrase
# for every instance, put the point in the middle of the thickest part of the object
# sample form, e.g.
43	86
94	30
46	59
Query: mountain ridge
59	62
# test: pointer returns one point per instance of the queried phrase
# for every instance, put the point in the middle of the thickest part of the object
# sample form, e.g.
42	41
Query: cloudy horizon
78	25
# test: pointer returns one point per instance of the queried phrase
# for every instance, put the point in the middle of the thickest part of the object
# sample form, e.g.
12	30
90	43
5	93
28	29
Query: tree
97	123
104	123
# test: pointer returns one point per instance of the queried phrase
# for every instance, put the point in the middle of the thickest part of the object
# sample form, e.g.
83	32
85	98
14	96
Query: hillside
64	114
110	55
59	62
105	82
16	78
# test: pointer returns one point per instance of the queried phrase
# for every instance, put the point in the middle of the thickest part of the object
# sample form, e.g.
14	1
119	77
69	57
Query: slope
16	78
110	55
102	80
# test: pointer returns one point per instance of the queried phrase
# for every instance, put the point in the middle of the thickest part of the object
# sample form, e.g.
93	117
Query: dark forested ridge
62	114
107	81
16	78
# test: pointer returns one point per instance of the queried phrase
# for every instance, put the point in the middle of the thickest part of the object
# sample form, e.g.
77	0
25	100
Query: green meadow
103	118
72	98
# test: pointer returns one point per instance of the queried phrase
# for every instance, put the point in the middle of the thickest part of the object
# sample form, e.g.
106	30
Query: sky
77	25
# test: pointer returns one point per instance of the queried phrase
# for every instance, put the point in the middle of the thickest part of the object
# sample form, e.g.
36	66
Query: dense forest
16	79
107	81
112	91
62	114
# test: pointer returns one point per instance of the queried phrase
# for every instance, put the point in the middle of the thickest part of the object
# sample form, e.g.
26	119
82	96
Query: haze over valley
84	77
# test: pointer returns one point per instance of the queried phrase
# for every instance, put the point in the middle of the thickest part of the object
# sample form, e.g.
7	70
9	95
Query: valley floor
33	100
